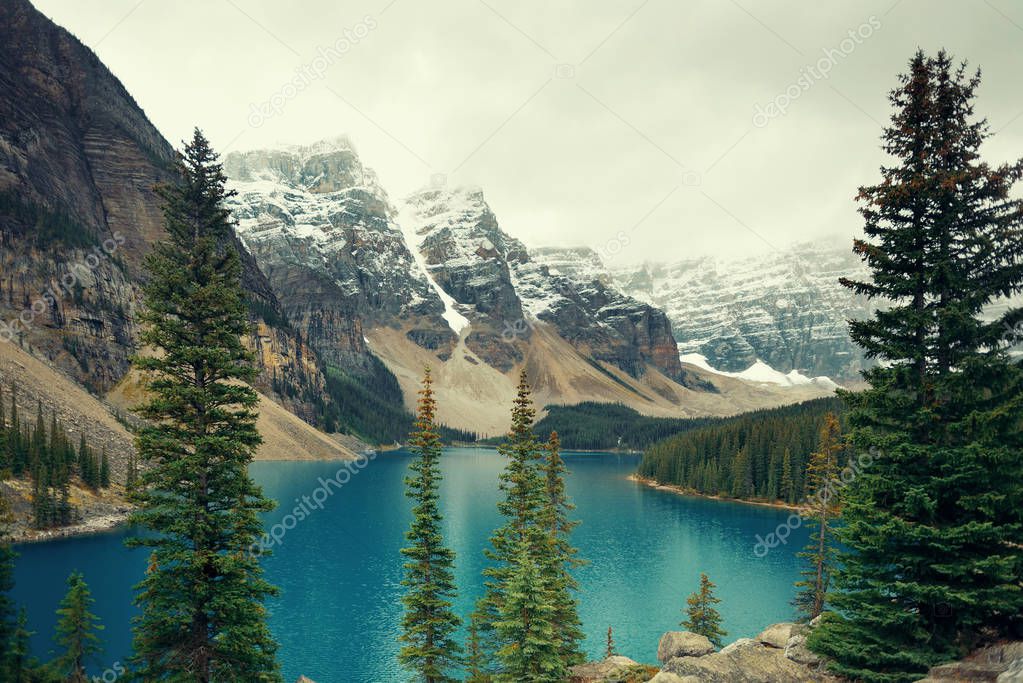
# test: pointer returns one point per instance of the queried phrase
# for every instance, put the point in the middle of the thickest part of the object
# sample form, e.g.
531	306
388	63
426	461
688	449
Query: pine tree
76	631
525	628
609	649
131	474
429	622
104	470
933	527
202	616
822	474
788	484
701	616
522	487
21	667
477	665
561	558
8	612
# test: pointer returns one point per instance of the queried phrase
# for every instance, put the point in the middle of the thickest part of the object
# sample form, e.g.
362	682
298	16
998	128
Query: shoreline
680	491
95	525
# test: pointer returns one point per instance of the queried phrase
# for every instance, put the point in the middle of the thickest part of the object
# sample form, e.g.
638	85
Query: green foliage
76	631
477	663
370	405
934	527
528	649
202	615
429	622
8	611
47	456
701	616
528	585
561	558
269	313
604	426
753	455
821	514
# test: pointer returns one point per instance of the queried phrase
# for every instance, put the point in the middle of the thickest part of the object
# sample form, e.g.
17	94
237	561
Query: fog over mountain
583	126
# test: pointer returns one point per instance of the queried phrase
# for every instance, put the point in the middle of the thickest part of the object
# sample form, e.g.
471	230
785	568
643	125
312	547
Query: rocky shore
777	655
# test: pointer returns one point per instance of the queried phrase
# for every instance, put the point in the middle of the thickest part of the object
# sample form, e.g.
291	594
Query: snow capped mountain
362	278
786	309
324	232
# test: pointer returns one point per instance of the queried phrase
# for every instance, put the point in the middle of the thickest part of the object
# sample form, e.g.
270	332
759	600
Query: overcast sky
641	128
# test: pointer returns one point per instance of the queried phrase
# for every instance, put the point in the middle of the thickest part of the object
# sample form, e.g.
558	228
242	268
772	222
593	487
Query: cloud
580	119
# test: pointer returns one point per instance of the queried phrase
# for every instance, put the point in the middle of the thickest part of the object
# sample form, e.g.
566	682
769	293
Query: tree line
50	459
757	455
591	426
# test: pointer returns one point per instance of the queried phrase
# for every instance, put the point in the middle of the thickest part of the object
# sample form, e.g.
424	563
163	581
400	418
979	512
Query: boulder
682	644
1014	674
776	635
744	661
303	679
668	677
613	668
798	652
1002	663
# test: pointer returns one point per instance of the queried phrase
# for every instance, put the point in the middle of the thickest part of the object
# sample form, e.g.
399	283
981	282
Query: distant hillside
603	426
744	456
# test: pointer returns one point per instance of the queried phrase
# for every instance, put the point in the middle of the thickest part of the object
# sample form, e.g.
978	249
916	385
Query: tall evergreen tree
20	665
8	611
202	616
561	557
701	616
529	651
520	554
104	470
428	648
933	527
76	632
822	475
477	665
788	483
609	647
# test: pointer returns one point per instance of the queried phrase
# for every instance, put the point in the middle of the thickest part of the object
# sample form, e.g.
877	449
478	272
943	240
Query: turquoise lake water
339	569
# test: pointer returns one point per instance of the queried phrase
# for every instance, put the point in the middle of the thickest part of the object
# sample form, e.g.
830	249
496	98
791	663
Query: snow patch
455	320
760	373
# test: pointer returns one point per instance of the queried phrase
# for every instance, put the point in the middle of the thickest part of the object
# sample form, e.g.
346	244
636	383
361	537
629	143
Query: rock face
786	309
321	228
777	635
682	644
344	261
744	661
78	214
996	664
571	289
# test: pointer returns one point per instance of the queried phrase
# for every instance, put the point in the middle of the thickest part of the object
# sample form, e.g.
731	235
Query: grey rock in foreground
744	661
995	664
777	635
682	644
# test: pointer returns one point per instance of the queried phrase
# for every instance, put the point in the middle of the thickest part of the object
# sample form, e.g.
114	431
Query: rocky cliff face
322	230
507	287
78	213
785	309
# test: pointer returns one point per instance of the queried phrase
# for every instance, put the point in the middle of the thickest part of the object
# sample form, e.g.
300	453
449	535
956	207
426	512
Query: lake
339	569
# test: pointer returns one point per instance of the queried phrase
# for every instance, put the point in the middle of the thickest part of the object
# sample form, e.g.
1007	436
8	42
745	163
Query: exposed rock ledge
778	655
